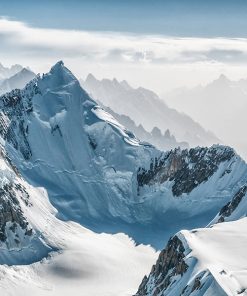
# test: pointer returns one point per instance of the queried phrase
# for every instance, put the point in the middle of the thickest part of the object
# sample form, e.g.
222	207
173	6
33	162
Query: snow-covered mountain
18	80
206	261
146	108
224	102
98	174
6	72
59	146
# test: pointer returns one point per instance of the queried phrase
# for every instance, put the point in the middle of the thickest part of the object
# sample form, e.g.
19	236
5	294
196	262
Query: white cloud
112	52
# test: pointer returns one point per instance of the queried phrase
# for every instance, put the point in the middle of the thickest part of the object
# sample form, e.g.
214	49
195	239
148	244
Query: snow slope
88	264
205	261
21	239
98	174
42	255
213	262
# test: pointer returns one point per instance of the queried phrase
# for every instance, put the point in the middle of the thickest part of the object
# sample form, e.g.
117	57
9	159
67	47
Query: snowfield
85	262
61	257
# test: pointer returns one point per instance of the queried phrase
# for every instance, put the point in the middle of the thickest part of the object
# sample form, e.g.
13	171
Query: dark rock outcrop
229	208
15	106
186	168
10	209
169	264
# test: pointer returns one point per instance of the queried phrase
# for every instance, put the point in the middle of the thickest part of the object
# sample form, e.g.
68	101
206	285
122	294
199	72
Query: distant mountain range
146	108
163	141
219	106
6	72
18	80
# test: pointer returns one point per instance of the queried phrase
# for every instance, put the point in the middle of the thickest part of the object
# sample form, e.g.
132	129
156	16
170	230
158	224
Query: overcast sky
157	44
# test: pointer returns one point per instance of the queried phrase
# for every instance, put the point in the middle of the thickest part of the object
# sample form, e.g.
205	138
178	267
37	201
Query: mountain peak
221	81
115	81
25	71
125	84
58	66
90	78
223	77
15	68
58	76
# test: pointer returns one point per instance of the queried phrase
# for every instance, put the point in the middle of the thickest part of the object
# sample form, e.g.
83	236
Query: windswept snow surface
88	264
221	251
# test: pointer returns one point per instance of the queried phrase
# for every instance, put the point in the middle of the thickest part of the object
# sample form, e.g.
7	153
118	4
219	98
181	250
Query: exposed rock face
202	279
197	284
15	106
20	240
186	168
14	227
228	209
10	211
169	264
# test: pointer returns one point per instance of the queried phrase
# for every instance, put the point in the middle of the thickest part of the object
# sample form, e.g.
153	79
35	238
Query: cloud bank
120	50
